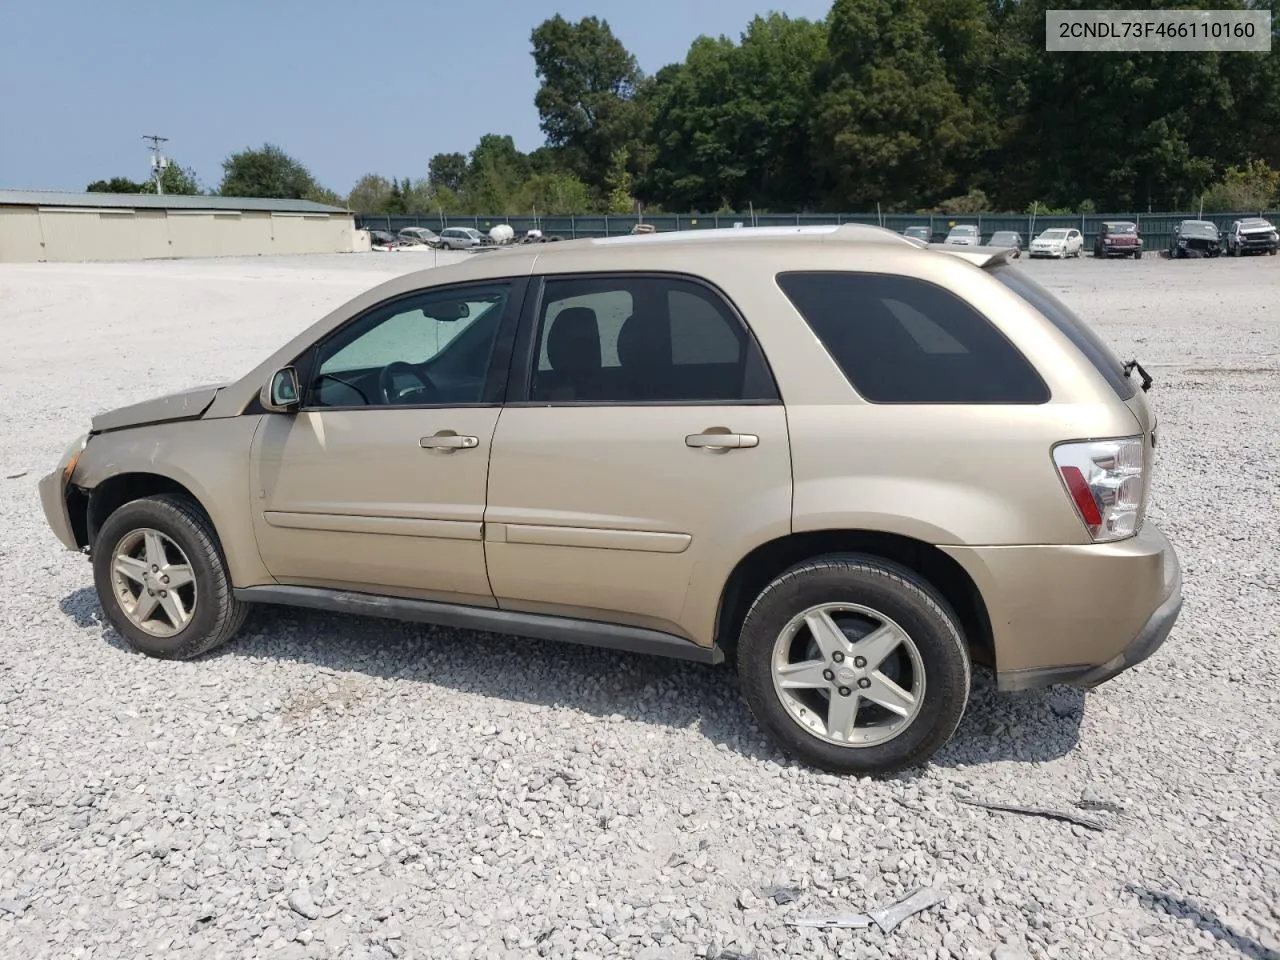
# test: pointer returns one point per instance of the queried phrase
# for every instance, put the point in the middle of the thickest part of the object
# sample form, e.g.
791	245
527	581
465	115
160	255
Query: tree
1254	186
115	185
619	184
447	170
586	100
265	172
370	194
177	179
889	126
729	123
553	193
495	173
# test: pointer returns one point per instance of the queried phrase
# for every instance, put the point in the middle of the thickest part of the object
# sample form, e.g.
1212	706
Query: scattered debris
15	476
1087	822
676	860
781	895
1089	800
886	918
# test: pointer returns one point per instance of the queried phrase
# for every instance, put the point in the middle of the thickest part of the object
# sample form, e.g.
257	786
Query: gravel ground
344	788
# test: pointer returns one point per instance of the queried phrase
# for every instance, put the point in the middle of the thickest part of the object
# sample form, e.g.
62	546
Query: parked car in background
1195	238
964	234
635	443
382	241
1007	239
919	232
643	228
1118	238
421	235
1060	242
1252	235
461	238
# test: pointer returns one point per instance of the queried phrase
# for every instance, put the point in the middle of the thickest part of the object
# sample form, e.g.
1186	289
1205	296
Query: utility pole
159	162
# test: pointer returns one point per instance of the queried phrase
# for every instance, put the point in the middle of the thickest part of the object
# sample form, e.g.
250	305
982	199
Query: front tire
854	665
162	579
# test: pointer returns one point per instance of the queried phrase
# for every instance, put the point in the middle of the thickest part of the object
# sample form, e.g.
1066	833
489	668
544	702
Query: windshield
1053	235
1198	228
1003	237
1121	228
1076	330
964	231
1256	224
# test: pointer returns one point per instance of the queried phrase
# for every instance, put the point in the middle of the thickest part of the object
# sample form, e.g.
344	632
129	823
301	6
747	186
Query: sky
348	87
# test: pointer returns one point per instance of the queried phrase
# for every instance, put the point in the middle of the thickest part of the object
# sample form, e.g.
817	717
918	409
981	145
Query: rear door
643	451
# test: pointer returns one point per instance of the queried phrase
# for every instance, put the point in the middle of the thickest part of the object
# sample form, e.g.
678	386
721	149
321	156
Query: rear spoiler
978	256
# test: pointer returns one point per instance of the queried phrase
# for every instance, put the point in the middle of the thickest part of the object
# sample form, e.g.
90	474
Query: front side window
904	340
643	340
425	349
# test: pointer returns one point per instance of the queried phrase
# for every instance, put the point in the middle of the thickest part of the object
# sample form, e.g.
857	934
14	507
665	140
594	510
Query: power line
158	160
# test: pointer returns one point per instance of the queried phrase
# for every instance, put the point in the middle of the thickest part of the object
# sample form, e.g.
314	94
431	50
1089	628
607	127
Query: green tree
619	183
889	126
265	172
319	194
495	173
447	170
1255	186
370	194
554	193
586	101
176	179
115	185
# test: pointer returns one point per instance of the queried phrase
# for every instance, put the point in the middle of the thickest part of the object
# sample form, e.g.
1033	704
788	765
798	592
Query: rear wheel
162	579
854	665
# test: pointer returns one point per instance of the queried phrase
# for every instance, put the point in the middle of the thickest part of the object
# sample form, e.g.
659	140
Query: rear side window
903	340
1072	327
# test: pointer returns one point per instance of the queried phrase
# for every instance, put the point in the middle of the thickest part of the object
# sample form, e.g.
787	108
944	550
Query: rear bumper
1077	615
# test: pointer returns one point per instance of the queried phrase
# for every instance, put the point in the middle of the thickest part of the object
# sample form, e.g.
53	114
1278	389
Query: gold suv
854	463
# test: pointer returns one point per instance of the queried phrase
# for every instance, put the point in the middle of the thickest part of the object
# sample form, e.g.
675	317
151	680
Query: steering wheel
425	392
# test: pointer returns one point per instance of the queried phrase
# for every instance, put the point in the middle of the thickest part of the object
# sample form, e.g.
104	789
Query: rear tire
140	542
925	677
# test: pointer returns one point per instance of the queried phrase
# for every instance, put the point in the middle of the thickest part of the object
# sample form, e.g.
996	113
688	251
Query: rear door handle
448	441
722	441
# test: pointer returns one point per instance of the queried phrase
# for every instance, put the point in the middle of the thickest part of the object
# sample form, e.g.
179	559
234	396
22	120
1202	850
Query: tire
1097	252
214	613
880	591
1137	254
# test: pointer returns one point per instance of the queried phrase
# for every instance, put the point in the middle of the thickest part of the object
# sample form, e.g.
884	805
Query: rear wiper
1133	365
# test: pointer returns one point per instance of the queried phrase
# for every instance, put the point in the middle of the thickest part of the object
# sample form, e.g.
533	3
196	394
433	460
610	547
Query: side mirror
280	394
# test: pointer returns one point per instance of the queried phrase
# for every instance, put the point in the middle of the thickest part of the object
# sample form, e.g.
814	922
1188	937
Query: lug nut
845	691
154	568
164	579
837	656
863	683
828	675
164	593
858	662
151	593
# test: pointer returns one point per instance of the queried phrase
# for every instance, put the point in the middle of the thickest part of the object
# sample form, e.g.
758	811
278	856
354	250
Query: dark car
1251	235
919	233
1118	238
1009	239
1195	238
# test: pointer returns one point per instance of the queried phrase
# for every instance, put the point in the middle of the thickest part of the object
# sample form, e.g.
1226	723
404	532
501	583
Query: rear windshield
1076	330
902	340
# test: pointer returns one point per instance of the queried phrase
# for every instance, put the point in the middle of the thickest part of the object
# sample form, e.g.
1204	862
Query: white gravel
344	788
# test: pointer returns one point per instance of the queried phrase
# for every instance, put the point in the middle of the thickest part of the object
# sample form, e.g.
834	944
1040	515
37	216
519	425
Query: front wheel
854	665
162	579
1137	255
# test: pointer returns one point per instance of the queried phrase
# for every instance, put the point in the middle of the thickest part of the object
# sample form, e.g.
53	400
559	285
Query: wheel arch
112	493
764	563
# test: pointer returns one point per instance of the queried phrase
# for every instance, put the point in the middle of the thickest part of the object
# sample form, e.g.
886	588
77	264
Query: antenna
159	162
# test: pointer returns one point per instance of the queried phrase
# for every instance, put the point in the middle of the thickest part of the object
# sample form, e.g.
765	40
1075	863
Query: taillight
1105	482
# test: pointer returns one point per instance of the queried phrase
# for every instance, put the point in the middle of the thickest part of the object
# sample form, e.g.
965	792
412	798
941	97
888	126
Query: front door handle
448	441
722	441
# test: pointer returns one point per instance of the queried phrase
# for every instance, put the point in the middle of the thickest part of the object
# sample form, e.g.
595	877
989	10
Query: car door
642	452
1074	241
378	482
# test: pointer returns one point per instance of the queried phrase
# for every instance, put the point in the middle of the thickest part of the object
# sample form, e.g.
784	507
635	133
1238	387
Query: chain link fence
1156	228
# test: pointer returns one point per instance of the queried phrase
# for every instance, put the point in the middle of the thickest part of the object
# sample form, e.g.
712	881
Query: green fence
1156	228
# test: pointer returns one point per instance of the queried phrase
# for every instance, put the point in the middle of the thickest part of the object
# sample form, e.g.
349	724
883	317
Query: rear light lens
1105	481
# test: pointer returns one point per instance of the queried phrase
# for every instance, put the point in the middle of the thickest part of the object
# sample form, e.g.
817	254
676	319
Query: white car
461	238
1058	242
965	234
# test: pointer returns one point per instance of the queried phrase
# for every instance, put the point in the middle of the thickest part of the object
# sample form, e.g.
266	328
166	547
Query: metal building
50	225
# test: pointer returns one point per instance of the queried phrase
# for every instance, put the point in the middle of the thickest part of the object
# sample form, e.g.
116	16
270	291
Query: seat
573	352
644	355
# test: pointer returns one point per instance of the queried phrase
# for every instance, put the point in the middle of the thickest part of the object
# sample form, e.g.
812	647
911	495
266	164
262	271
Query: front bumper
1250	245
53	495
1076	614
1120	250
1047	252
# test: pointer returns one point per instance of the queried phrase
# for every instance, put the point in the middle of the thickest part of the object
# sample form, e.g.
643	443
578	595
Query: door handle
722	441
448	441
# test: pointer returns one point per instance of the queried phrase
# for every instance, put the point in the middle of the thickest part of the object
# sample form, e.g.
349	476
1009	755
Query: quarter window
903	340
643	340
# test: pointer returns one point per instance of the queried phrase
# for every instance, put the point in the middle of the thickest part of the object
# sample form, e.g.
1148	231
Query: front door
643	453
378	482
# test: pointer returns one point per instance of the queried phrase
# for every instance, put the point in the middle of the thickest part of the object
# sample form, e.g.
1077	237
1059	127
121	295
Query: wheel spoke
144	607
179	574
877	645
826	634
174	610
805	674
841	714
889	695
130	567
155	549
